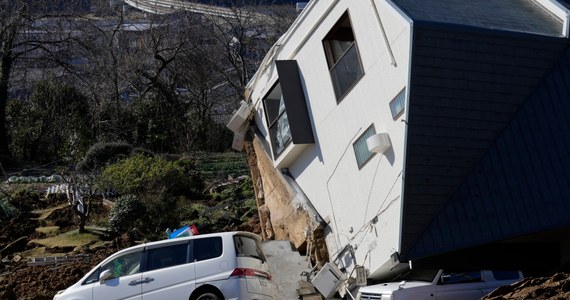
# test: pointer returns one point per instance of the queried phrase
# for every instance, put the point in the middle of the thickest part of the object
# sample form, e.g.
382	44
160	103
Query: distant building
390	133
61	5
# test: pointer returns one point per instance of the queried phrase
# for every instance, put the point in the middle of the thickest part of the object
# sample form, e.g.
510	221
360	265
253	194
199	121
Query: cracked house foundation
284	211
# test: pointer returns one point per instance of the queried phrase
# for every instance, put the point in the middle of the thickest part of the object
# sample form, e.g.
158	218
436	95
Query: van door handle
145	280
135	282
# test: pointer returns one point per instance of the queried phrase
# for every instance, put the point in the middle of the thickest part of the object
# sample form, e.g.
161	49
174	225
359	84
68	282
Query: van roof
166	241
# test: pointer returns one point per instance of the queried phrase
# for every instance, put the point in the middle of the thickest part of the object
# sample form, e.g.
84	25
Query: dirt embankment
20	281
556	287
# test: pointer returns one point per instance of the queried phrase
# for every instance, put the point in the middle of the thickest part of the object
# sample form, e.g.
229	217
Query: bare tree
13	17
30	32
103	76
187	71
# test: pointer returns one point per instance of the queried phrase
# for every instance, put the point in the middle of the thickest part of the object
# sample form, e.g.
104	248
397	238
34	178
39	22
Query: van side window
94	277
126	264
460	277
168	256
506	275
248	247
207	248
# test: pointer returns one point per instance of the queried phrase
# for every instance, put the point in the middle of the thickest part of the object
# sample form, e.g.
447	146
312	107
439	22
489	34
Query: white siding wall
327	171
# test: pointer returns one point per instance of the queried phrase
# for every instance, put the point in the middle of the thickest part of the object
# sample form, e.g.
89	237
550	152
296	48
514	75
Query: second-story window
342	56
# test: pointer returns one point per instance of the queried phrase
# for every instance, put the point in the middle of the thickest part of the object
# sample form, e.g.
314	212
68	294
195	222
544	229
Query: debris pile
555	287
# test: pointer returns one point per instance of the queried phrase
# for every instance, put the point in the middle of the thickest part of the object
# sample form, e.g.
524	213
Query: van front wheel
209	296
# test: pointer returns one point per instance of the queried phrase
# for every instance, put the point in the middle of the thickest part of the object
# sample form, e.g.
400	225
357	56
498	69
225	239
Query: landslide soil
20	281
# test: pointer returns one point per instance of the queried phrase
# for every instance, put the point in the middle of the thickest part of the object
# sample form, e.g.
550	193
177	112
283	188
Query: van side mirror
106	275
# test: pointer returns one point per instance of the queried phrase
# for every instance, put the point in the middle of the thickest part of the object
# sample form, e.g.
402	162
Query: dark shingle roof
509	15
466	86
521	184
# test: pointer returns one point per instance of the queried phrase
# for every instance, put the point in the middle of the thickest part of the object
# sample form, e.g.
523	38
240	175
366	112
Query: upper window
361	148
279	130
342	56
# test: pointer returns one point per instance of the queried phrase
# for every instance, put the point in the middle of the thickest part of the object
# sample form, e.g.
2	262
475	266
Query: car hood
390	287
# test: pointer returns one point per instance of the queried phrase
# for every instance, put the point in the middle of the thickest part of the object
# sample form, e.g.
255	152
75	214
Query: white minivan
228	265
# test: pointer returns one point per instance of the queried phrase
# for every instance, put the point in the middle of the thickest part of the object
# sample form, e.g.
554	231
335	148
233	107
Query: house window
342	56
361	151
277	120
398	104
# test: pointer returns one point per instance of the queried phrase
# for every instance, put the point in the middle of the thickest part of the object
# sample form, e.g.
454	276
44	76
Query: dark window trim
295	104
274	123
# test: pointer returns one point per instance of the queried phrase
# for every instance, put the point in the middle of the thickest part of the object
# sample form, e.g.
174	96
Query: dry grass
68	239
45	213
48	230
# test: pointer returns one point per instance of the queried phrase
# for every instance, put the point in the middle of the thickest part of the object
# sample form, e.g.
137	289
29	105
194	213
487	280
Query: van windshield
248	247
418	275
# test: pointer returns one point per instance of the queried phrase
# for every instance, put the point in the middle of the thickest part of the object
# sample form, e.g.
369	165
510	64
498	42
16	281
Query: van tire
209	296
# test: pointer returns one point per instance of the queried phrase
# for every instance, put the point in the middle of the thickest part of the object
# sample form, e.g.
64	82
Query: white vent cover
237	143
240	117
379	142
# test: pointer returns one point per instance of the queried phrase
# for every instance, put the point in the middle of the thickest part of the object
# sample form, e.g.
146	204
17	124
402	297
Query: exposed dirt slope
556	287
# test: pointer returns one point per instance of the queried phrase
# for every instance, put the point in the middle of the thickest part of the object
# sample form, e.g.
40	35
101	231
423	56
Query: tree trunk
5	66
82	216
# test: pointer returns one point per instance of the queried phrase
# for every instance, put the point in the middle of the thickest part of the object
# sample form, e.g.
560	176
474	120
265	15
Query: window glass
418	275
460	277
398	104
94	277
342	56
506	275
361	148
126	264
279	130
248	247
167	256
207	248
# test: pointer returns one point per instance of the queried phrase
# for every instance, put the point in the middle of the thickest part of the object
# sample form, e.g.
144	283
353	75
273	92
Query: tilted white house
433	132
